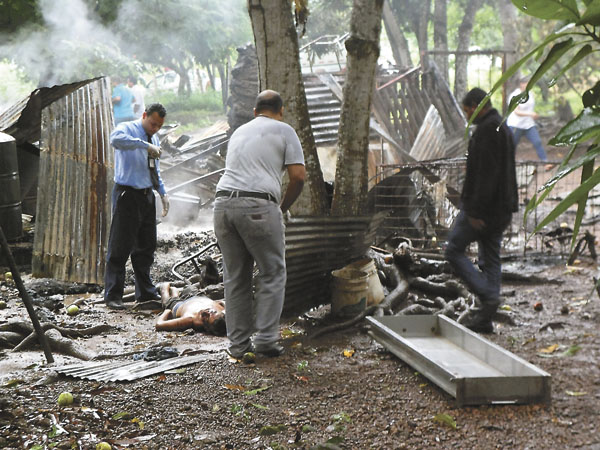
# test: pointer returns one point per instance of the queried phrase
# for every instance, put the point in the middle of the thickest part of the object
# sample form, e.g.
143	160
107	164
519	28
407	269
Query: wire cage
422	200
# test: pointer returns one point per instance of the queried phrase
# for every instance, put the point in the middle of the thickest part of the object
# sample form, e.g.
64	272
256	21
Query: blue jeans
533	136
485	280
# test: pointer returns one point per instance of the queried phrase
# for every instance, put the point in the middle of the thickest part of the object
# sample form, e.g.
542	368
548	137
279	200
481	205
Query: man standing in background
488	199
522	121
122	100
248	223
139	93
133	226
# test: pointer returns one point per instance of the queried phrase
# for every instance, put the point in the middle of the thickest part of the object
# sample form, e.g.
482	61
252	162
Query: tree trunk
351	179
440	35
422	31
398	42
509	22
211	77
224	75
464	40
279	69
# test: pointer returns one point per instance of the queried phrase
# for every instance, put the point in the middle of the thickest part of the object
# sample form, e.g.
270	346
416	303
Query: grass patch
199	110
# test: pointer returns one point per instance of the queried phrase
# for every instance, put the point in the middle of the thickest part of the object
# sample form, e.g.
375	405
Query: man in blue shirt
133	227
122	99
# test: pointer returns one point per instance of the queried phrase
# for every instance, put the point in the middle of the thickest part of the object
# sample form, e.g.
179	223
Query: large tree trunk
464	40
440	36
351	179
423	21
398	41
509	21
279	69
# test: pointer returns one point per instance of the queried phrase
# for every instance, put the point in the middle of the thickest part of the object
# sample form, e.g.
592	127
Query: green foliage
574	43
199	110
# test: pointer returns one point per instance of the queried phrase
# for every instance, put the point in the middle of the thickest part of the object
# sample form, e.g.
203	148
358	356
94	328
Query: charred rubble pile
418	285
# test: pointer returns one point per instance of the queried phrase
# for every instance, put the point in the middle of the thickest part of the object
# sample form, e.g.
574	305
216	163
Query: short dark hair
474	97
133	79
156	108
268	100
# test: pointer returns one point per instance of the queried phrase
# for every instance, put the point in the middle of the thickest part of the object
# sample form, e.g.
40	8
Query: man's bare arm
164	323
297	174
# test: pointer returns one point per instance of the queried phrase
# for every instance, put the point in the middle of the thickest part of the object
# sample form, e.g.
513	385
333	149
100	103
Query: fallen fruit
72	310
103	446
2	304
65	399
538	306
8	275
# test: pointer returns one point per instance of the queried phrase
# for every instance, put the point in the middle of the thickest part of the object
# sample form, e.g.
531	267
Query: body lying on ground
199	313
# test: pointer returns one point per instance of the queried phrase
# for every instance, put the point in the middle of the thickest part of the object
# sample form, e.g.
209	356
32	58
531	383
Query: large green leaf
591	97
563	171
591	15
583	127
516	66
580	192
586	172
582	53
549	9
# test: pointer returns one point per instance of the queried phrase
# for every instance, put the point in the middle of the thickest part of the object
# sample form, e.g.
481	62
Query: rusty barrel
10	193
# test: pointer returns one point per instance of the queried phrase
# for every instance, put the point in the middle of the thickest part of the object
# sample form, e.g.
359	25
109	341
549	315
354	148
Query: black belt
231	194
124	187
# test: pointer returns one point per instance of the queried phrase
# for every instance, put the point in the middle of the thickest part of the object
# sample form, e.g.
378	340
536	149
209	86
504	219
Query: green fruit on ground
65	399
72	310
2	304
103	446
248	358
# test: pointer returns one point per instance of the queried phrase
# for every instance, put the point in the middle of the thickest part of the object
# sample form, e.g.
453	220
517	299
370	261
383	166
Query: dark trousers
132	233
484	280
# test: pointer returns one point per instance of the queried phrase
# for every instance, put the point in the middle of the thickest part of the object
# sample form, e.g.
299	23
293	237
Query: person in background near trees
133	227
139	93
522	121
248	224
488	199
122	99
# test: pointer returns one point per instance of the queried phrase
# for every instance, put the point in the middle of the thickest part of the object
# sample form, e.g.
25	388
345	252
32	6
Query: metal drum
10	193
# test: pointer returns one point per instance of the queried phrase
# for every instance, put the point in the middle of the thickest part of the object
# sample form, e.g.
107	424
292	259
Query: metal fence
423	201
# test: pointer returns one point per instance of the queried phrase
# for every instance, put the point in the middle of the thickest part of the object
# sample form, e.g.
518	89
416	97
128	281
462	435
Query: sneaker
271	350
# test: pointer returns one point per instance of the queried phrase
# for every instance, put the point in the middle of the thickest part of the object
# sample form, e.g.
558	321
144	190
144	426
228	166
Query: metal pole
25	297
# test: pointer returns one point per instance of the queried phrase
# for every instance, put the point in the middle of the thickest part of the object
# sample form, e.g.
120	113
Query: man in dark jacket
488	199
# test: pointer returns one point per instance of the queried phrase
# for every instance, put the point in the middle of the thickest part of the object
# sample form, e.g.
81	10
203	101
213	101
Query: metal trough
470	368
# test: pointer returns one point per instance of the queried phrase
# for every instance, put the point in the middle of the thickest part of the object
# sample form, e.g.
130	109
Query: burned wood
450	288
58	343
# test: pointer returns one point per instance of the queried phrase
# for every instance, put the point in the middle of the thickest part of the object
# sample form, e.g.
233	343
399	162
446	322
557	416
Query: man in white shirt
522	121
138	92
248	223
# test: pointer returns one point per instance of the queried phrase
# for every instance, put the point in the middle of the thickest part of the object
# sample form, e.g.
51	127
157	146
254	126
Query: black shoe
115	304
482	327
272	350
240	355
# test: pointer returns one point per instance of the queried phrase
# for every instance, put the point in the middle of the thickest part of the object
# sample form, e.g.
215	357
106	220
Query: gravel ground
343	390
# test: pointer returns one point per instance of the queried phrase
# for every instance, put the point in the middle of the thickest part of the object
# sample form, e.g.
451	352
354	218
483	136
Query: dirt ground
343	390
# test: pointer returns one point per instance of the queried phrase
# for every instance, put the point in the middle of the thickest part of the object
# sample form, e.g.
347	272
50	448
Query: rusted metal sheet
129	370
23	120
76	177
315	246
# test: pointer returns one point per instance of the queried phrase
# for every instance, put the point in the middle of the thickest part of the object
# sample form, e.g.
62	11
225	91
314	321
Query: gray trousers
251	230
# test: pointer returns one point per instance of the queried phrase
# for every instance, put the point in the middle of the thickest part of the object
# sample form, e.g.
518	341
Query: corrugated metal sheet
317	245
23	120
76	166
129	370
432	142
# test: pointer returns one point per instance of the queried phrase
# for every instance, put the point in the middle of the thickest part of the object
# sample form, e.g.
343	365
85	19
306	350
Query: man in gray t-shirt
248	223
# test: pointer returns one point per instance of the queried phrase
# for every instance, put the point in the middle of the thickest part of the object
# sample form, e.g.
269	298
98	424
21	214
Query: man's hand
165	204
477	224
154	151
